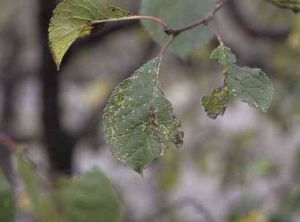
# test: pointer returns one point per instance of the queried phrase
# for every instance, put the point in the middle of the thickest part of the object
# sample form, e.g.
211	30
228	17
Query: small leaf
293	5
216	103
223	55
71	20
89	198
138	119
177	14
251	86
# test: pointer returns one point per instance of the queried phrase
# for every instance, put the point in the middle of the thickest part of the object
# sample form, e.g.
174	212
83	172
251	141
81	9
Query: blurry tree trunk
59	144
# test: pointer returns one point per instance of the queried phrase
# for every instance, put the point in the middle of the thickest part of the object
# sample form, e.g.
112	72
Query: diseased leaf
223	55
251	86
138	119
216	103
71	20
177	14
89	198
293	5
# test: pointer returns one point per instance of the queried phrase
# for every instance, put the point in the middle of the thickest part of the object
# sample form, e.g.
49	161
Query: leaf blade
71	20
138	120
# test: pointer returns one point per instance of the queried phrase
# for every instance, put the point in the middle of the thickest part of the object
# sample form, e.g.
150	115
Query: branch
202	21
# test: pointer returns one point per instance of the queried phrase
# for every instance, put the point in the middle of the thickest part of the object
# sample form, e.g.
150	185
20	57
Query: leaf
89	198
250	85
293	5
72	19
177	14
36	198
216	103
223	55
138	119
7	203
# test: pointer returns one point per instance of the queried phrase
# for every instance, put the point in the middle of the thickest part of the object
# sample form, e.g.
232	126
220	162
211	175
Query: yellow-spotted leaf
139	121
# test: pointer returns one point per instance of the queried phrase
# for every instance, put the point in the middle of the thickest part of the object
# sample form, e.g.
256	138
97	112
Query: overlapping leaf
90	198
72	19
178	13
138	119
250	85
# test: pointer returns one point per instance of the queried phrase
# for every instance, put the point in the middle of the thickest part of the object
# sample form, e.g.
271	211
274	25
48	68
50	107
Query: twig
202	21
166	45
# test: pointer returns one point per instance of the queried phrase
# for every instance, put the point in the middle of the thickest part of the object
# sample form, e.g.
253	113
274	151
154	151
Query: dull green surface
89	198
138	119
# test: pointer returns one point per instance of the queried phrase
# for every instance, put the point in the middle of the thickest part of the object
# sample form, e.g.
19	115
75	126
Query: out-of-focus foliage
288	4
177	15
7	203
89	198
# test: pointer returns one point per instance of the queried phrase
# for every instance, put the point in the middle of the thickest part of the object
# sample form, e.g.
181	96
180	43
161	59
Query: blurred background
243	166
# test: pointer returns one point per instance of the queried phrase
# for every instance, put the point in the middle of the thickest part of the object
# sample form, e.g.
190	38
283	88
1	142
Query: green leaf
7	203
72	19
223	55
89	198
36	198
138	119
176	14
293	5
251	86
216	103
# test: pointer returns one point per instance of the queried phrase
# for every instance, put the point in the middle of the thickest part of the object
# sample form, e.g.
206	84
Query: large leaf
138	119
89	198
72	19
250	85
176	14
293	5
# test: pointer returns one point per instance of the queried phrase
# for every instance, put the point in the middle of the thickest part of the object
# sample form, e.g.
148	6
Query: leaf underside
177	14
71	20
138	120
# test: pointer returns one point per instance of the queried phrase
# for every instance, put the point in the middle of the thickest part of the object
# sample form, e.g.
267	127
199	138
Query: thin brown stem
166	45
